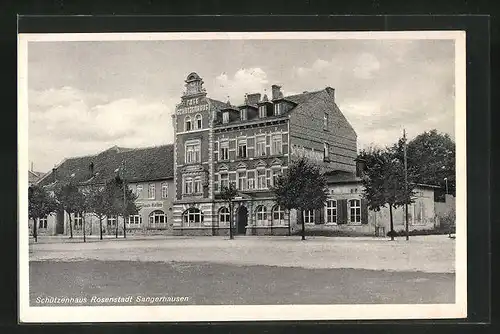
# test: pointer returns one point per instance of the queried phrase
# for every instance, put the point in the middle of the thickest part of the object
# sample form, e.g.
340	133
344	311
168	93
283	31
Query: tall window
188	185
193	152
278	215
225	117
261	215
139	190
78	220
157	219
251	180
151	191
224	150
197	121
224	180
262	111
187	124
134	221
164	190
355	211
192	216
197	185
261	179
276	144
326	149
224	216
243	114
331	211
260	144
276	174
325	121
242	180
242	148
42	222
309	216
278	109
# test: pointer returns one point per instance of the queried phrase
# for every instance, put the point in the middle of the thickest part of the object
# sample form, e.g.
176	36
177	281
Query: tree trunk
35	236
392	222
116	227
231	220
100	227
124	228
70	226
83	227
301	214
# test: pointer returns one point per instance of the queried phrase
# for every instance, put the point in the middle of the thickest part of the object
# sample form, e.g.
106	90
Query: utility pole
406	186
124	200
231	219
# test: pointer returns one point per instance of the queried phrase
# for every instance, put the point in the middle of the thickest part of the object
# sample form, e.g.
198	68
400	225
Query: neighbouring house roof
33	176
140	164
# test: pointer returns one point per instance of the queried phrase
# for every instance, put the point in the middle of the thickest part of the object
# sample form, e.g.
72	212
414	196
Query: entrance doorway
60	222
242	220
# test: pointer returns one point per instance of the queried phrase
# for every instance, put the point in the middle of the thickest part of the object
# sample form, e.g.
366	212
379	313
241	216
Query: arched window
224	216
261	215
354	211
331	211
157	219
197	122
187	124
278	215
308	216
192	216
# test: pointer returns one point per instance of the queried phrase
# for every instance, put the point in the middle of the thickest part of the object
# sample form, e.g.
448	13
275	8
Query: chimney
253	99
54	174
276	92
91	169
331	91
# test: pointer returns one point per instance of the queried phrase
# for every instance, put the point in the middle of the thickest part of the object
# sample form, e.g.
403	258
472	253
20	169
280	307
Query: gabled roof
141	164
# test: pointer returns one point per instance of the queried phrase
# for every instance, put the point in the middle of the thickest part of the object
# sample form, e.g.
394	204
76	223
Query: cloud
245	80
67	122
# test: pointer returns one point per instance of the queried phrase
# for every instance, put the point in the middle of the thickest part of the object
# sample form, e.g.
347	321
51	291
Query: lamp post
406	187
124	201
446	184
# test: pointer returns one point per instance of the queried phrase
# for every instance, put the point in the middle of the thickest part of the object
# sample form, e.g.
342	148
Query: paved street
247	270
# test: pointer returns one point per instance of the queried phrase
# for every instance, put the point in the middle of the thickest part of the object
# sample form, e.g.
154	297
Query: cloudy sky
85	97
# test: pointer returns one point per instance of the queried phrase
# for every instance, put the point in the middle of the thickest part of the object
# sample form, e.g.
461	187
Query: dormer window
225	117
278	108
198	122
262	111
325	121
243	114
187	124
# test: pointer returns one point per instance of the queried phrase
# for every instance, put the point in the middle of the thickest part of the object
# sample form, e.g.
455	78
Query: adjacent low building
148	172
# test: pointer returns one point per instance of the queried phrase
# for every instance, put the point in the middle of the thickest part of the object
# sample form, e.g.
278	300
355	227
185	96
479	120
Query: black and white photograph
242	176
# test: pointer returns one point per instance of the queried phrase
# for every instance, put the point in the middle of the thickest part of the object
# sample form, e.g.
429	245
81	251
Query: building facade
148	172
217	143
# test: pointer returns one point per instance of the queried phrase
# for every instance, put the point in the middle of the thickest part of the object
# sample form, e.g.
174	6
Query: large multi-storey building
217	143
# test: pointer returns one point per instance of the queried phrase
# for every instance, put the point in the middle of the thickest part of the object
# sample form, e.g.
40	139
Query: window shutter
342	211
364	211
320	214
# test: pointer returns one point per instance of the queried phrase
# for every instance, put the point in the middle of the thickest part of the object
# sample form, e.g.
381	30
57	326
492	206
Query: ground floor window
261	215
78	220
192	216
157	219
309	216
111	221
42	222
134	221
224	215
331	211
278	215
354	211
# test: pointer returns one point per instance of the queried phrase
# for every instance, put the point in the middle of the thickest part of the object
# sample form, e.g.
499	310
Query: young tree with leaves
97	204
69	198
40	205
228	193
120	200
302	187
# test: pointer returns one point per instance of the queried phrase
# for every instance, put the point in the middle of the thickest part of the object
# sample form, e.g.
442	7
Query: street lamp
446	184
